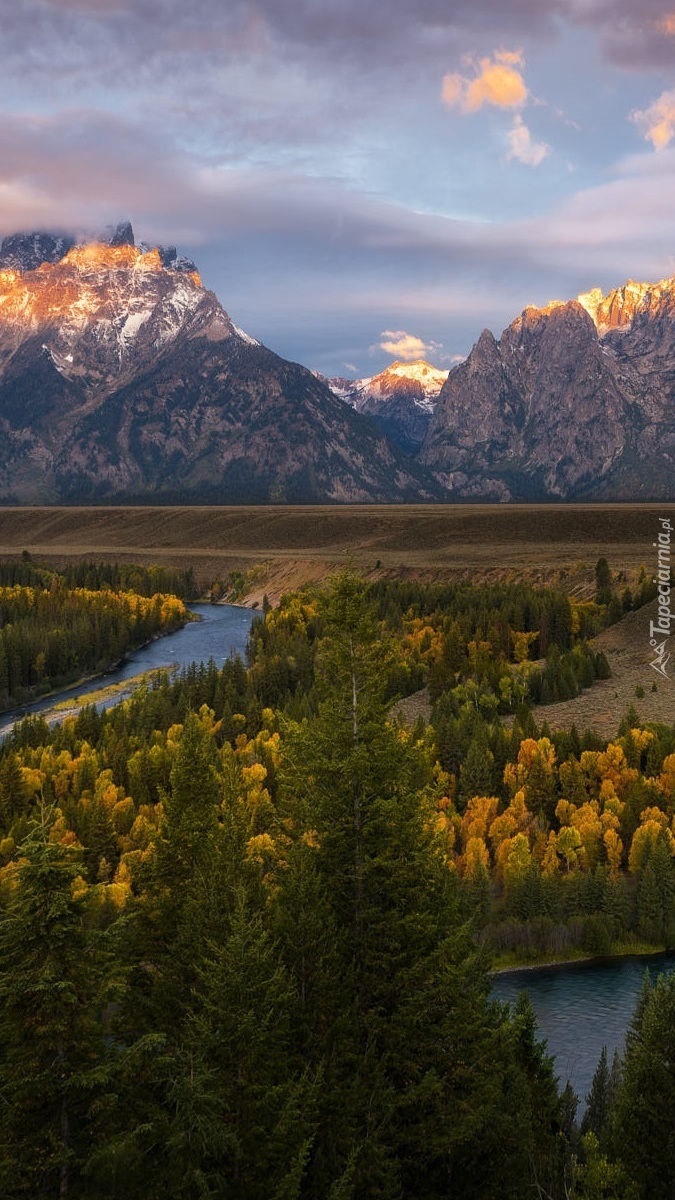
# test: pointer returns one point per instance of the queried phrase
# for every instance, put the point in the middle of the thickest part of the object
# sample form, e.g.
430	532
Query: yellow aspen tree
586	819
478	817
644	840
667	778
568	846
521	644
550	863
476	857
534	773
613	850
612	765
519	861
564	812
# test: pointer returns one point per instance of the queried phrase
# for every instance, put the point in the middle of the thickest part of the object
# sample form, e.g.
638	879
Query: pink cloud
496	81
658	121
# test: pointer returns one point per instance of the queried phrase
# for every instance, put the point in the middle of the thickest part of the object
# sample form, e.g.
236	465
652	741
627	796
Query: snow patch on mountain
244	336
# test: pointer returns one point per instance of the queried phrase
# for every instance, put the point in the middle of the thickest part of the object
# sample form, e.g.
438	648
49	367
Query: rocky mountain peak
27	251
537	413
619	308
101	309
120	235
22	252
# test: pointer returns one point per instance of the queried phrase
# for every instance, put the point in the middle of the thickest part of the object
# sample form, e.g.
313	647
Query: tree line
53	633
115	577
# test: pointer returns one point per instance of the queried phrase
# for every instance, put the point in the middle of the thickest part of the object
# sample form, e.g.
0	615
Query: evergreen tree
222	1104
544	1142
603	582
598	1100
644	1114
650	904
14	794
57	977
476	772
190	810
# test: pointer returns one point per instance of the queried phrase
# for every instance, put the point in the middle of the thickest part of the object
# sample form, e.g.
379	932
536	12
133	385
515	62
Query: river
582	1007
222	628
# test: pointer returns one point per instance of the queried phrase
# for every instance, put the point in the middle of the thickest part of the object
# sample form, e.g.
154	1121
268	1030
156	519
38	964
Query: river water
581	1008
221	630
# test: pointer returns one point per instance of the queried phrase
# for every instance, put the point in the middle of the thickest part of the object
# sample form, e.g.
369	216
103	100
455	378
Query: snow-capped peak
401	398
431	378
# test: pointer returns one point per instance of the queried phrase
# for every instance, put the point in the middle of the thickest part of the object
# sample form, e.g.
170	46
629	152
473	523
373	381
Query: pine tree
180	900
476	772
644	1113
190	809
598	1100
57	976
239	1086
649	905
222	1104
603	582
661	863
14	795
545	1110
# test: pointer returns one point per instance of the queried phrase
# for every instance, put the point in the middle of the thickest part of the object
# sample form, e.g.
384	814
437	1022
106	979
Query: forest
56	627
247	917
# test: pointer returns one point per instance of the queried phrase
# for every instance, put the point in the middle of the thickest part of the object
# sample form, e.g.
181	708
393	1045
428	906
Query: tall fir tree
643	1117
58	977
599	1100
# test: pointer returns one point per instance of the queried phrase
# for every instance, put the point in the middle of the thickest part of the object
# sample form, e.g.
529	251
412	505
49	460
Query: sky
357	180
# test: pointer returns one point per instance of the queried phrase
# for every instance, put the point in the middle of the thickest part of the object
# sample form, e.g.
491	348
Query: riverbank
513	963
213	631
120	691
29	705
114	692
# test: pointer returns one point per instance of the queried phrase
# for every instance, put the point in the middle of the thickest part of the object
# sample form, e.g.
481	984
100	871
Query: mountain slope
121	376
575	401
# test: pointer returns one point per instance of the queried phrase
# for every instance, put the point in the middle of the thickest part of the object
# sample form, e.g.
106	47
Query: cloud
658	121
496	81
116	38
667	24
405	345
523	148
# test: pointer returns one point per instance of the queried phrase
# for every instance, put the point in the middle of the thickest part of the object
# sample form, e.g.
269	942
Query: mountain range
122	378
575	401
